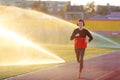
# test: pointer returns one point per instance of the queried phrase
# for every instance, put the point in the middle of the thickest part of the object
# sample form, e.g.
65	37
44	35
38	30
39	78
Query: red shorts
80	43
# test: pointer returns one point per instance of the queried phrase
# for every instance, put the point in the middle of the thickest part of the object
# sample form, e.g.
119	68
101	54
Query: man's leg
82	51
77	51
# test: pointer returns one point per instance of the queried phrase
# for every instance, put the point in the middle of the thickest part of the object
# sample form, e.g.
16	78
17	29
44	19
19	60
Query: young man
80	42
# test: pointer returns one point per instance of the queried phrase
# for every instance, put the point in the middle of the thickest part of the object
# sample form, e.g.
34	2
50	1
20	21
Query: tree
64	9
89	9
37	6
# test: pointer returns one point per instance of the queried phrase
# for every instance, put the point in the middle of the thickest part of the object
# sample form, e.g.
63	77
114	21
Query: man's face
80	24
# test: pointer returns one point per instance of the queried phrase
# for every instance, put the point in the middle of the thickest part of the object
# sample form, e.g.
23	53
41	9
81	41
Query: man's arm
72	36
90	36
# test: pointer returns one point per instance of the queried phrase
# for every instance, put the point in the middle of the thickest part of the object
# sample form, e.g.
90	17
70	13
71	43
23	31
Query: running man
80	42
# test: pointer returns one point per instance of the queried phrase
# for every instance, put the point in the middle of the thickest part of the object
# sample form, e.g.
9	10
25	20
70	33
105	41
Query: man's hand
77	35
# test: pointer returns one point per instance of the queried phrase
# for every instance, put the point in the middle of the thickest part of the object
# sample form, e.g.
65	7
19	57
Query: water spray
12	35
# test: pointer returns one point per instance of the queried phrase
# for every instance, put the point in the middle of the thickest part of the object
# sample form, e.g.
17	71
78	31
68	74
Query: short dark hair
80	20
